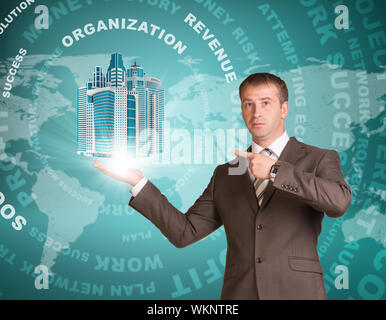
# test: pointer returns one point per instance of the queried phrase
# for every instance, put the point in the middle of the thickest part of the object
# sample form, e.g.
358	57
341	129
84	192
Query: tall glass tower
103	102
97	79
116	73
121	112
81	99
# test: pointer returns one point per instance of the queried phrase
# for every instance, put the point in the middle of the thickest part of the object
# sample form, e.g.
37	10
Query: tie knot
266	151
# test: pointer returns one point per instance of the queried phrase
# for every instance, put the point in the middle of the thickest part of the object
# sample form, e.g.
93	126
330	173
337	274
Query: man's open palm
130	176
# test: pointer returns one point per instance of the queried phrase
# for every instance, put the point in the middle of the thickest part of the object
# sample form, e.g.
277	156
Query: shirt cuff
138	187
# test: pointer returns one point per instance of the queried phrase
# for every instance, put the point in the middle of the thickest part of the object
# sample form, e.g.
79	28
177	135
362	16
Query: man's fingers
244	154
103	168
96	163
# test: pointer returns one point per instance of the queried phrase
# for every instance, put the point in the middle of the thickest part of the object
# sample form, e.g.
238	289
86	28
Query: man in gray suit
271	201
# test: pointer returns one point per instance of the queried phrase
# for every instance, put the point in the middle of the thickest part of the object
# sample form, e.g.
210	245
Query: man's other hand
259	164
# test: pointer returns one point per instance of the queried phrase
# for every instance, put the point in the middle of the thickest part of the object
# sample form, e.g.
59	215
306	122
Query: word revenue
213	44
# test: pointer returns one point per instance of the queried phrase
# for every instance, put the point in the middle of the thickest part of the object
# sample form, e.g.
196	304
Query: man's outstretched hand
130	176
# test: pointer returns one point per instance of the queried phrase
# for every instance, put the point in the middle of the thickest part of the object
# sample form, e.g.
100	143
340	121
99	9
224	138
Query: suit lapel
291	153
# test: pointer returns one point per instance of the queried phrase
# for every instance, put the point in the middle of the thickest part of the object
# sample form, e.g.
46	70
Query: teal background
190	104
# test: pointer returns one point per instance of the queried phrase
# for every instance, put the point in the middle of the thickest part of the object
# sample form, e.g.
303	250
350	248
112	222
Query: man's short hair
256	79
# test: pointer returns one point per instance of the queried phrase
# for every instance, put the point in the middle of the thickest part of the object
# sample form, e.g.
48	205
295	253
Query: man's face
262	112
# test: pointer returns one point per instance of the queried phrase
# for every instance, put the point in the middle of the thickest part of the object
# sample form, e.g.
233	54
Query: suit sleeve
181	229
326	191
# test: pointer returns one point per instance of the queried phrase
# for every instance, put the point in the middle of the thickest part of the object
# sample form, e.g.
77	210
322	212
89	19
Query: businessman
272	211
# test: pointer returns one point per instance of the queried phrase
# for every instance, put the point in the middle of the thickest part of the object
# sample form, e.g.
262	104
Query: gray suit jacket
271	251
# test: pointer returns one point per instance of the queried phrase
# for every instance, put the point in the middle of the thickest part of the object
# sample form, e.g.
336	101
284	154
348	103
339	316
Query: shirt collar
276	146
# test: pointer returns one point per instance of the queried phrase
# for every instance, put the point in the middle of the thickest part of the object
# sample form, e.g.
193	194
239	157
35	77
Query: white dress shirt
277	147
138	187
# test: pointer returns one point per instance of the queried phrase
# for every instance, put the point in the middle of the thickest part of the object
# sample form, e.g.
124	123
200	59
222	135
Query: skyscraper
150	103
81	99
116	73
121	112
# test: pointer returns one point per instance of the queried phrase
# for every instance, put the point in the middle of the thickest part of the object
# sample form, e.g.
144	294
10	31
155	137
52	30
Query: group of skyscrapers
120	112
